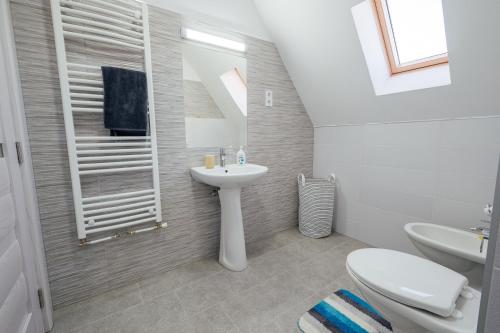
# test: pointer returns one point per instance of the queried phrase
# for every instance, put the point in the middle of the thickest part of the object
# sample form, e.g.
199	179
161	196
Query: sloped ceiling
320	48
240	15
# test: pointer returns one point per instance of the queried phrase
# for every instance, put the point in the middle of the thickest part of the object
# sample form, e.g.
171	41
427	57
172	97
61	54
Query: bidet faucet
484	232
222	156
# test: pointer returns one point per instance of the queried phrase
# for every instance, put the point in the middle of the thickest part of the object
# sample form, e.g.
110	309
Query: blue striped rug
343	312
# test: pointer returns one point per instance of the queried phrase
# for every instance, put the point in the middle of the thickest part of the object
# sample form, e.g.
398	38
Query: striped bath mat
343	312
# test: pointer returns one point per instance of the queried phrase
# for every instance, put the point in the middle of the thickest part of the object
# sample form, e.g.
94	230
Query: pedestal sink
230	180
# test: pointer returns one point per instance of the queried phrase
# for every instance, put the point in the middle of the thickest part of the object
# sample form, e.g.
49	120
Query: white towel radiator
122	24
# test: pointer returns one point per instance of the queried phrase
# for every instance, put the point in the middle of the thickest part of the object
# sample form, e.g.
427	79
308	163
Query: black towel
125	101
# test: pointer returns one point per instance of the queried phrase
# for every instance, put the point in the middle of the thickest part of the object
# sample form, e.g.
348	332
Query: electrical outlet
269	98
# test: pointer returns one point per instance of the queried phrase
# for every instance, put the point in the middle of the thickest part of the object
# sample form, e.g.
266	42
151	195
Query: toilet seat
394	310
408	279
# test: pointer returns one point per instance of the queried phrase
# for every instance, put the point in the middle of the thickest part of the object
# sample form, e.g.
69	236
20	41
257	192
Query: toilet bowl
416	295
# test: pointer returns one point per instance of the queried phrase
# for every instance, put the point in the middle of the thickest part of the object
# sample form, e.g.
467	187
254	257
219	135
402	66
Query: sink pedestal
232	254
230	179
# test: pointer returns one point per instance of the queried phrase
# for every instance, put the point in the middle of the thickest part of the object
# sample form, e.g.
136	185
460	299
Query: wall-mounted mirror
215	97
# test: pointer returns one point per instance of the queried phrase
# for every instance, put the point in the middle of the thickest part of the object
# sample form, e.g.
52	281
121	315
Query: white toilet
416	295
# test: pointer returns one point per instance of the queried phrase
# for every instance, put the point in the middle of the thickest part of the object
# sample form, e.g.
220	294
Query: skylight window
237	88
413	32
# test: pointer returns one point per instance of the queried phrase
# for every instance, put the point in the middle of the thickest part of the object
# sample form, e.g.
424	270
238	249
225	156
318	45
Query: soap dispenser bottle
241	157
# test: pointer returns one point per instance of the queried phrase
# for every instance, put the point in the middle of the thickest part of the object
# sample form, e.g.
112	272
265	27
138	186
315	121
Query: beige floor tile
213	320
287	274
80	314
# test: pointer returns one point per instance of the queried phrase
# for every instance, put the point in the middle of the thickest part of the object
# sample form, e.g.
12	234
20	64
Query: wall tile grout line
408	121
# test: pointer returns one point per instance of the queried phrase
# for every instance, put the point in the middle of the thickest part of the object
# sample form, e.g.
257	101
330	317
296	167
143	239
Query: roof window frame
383	19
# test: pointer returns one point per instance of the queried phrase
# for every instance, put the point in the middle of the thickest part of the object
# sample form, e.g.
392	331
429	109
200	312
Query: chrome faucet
222	156
484	232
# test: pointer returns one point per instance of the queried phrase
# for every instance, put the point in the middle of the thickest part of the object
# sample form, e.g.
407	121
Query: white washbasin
456	249
232	176
230	180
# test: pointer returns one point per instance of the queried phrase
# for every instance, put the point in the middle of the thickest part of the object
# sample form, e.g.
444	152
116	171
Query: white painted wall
320	48
412	156
240	16
188	72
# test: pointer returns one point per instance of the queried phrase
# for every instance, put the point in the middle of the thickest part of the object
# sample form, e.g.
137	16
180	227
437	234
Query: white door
19	307
17	311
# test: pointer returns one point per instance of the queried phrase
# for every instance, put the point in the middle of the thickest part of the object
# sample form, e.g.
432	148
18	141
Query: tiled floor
286	275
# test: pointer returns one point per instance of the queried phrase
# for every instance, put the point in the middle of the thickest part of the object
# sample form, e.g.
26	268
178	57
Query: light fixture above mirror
206	38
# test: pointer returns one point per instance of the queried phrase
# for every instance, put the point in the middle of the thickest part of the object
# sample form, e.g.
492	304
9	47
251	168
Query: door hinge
1	150
19	150
41	299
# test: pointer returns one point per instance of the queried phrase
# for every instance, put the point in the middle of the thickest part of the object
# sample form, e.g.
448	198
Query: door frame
25	191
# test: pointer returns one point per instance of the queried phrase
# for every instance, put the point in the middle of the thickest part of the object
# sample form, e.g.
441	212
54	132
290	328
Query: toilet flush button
457	314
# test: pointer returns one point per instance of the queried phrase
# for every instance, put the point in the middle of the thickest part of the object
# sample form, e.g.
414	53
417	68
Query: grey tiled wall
280	137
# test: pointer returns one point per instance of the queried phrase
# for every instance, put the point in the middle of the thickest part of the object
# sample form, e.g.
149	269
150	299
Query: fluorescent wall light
202	37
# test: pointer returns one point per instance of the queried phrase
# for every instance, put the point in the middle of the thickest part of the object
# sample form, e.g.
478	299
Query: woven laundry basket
316	205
